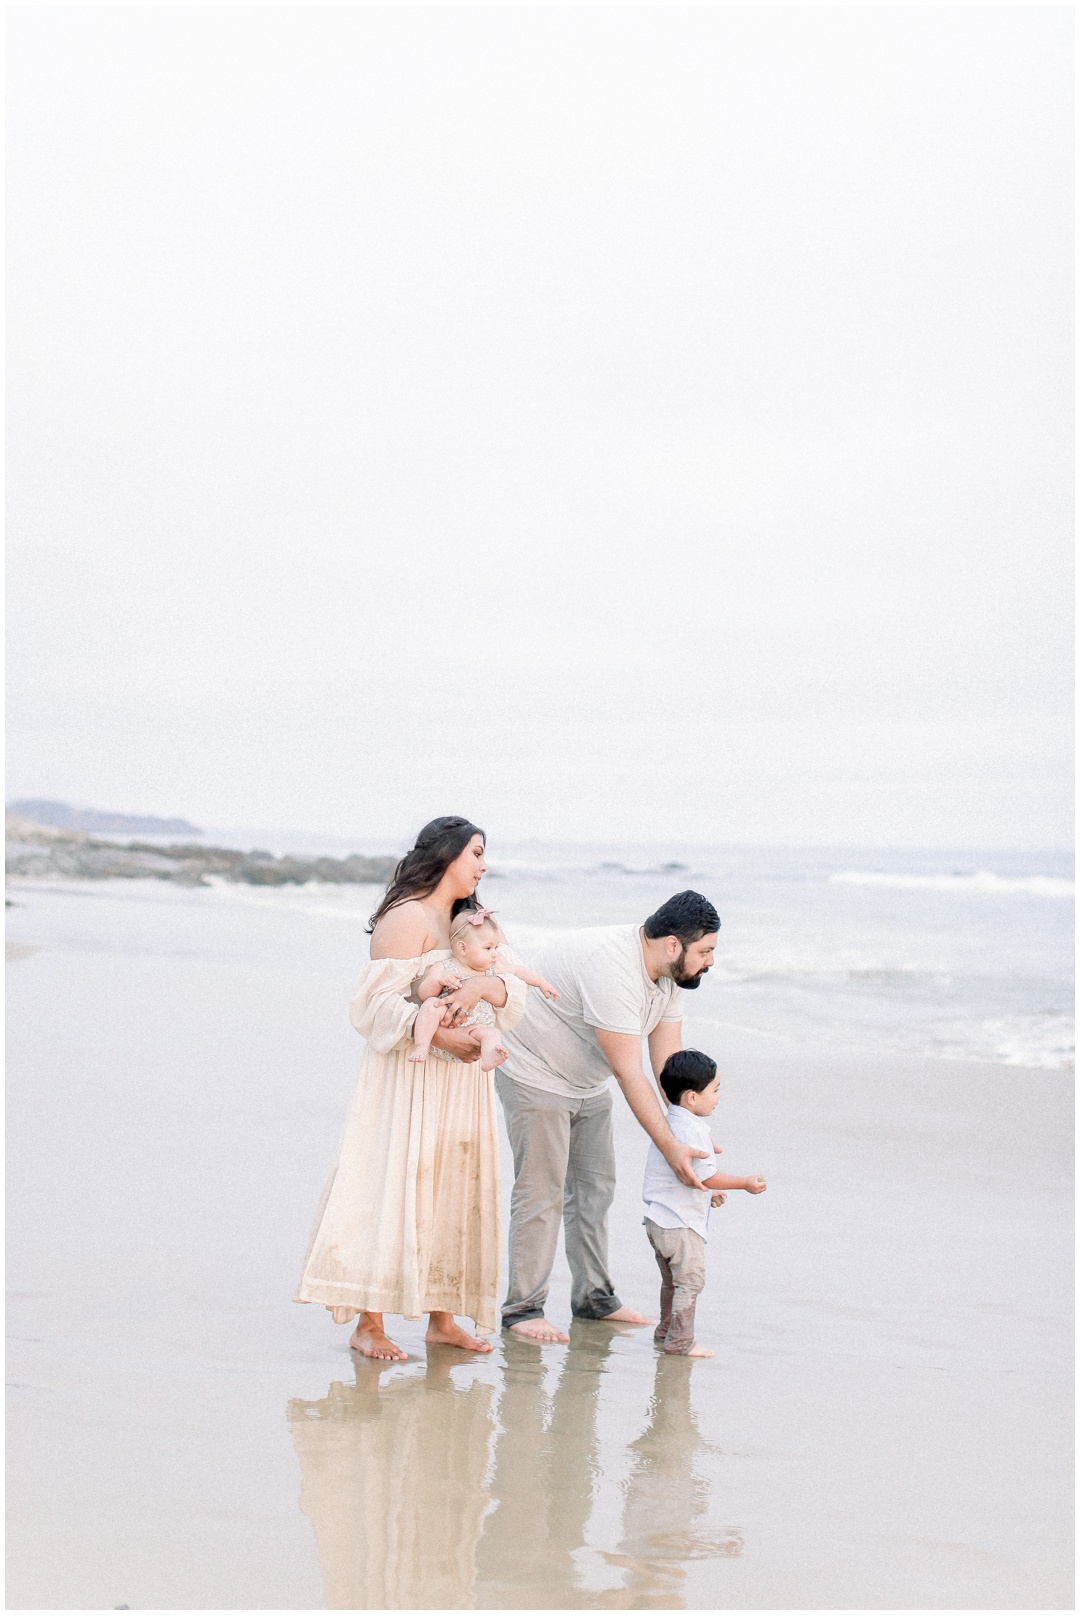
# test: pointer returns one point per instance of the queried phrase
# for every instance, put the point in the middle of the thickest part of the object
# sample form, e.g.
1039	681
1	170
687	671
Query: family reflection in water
428	1493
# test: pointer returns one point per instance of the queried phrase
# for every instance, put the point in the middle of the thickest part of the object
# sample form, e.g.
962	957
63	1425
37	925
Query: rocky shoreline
43	852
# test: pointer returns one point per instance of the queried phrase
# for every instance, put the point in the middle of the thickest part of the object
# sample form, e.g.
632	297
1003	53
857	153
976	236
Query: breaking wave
984	882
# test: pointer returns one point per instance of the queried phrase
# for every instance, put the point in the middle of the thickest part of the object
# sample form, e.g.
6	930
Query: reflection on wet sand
393	1482
410	1512
546	1472
667	1500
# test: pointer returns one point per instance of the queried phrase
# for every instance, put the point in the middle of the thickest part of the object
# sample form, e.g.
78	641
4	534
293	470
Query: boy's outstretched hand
755	1185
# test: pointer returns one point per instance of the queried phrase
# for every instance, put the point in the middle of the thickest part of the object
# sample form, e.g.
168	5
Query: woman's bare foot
443	1331
370	1340
539	1329
626	1315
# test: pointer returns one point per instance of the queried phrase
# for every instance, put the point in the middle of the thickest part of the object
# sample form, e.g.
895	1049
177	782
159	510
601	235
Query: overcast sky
610	423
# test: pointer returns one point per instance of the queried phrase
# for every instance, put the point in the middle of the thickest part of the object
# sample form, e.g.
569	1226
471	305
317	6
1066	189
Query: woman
409	1222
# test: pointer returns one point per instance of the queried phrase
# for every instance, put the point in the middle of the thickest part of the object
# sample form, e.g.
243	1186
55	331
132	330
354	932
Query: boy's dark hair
688	1068
687	915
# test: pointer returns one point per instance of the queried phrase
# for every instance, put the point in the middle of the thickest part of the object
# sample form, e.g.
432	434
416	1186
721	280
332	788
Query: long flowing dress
393	1481
409	1219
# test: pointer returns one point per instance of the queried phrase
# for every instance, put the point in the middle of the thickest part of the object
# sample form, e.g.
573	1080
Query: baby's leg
688	1274
493	1050
428	1020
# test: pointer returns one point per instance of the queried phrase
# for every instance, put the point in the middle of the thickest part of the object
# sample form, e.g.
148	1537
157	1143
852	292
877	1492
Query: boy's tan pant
680	1256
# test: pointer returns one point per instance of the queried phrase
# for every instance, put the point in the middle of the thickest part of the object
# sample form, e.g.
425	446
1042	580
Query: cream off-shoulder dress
409	1219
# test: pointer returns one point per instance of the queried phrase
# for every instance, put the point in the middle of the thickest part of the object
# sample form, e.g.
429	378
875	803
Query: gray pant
680	1256
564	1163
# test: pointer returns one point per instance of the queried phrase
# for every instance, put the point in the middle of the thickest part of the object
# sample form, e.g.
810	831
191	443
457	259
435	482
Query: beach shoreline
885	1424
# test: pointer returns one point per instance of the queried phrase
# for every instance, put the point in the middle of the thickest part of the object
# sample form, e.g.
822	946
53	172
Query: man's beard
689	982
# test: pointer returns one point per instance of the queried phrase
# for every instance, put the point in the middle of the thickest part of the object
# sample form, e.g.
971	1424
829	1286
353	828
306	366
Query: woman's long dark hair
422	868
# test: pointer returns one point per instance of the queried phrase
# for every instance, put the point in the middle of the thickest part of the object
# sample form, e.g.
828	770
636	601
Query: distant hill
36	851
65	817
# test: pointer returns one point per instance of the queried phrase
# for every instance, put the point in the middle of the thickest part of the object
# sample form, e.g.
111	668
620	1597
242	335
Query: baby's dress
482	1015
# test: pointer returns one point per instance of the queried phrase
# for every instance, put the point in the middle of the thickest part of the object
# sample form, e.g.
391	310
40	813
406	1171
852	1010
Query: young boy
677	1218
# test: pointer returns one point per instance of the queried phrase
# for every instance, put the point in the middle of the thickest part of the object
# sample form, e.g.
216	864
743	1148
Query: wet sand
886	1423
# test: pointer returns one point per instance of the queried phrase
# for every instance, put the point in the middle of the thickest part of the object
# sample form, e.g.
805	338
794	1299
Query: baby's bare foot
494	1056
372	1342
419	1057
443	1331
539	1329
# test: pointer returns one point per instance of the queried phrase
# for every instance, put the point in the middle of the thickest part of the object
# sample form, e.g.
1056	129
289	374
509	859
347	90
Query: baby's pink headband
470	916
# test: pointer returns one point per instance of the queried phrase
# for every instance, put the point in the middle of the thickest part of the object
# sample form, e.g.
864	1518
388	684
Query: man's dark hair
687	915
688	1068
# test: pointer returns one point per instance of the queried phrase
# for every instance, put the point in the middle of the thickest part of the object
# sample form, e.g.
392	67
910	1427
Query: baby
474	942
677	1217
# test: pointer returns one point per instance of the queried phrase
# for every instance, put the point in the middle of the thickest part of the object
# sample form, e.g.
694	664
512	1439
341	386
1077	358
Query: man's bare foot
539	1329
369	1340
700	1351
626	1315
443	1331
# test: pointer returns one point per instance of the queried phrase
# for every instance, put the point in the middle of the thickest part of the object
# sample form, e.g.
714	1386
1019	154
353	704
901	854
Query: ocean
949	954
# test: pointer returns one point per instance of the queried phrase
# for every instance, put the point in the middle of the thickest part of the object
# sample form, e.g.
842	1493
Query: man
616	985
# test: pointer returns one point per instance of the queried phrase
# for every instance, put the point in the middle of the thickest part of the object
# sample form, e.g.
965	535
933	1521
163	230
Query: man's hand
453	1041
680	1158
622	1052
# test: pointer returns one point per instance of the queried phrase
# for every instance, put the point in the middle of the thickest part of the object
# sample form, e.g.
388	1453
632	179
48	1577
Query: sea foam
980	883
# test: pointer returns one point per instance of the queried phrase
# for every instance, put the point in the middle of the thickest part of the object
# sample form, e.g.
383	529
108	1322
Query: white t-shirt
669	1203
602	983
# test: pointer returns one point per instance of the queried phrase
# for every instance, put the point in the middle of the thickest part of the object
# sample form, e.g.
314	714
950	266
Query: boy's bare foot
626	1315
539	1329
369	1340
443	1331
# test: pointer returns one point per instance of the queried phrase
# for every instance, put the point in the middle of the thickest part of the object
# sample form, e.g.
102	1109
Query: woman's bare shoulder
403	933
